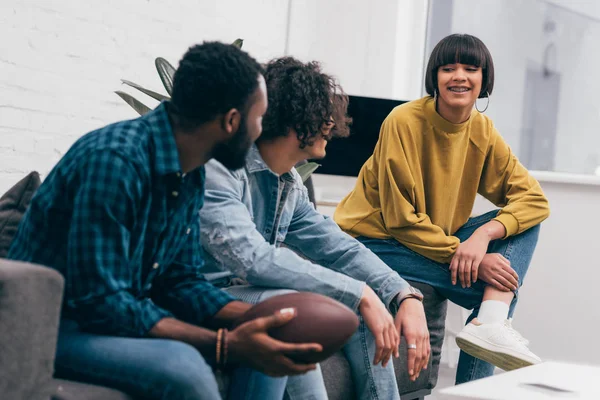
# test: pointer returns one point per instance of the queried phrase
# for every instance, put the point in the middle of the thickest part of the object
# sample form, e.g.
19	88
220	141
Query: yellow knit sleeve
507	183
397	198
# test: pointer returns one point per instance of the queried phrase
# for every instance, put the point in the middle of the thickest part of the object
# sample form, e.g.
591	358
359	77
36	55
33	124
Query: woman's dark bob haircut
460	49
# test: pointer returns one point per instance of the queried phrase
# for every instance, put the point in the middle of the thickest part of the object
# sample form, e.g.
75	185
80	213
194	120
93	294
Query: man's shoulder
126	139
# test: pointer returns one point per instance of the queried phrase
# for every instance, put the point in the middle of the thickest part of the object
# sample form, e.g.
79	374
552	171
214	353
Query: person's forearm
492	230
202	339
354	260
229	313
262	264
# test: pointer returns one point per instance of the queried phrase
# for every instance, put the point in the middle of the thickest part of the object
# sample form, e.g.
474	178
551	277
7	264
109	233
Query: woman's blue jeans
415	267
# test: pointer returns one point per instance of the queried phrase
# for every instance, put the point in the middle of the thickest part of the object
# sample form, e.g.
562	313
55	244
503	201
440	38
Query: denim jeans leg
415	267
309	386
371	381
518	250
153	369
412	266
250	384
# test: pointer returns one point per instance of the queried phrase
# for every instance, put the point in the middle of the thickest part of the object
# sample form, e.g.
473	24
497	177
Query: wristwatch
408	293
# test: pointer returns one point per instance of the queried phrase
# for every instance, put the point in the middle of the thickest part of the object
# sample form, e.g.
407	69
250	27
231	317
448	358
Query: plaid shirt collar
166	156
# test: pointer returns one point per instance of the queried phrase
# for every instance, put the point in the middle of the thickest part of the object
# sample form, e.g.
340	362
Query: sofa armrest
30	302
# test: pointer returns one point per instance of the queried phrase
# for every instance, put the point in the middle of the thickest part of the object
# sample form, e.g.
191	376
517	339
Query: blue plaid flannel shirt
118	218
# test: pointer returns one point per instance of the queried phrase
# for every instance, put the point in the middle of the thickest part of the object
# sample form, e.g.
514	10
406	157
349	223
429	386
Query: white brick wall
61	61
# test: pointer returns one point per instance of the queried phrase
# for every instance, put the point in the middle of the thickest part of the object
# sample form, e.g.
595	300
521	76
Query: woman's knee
536	228
532	233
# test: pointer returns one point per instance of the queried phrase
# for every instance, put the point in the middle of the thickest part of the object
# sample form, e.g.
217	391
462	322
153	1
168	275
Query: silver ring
411	346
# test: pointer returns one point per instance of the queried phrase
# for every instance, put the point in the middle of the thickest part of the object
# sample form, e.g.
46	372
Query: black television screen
346	156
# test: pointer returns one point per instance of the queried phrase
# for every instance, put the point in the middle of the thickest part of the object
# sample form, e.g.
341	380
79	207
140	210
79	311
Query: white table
546	381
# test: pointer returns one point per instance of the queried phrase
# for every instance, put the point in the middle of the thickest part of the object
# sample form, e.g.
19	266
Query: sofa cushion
69	390
30	297
338	377
12	207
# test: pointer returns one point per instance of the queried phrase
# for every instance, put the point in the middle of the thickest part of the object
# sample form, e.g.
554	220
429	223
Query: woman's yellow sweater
419	186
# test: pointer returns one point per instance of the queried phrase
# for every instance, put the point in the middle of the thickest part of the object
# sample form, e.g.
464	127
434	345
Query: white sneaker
498	344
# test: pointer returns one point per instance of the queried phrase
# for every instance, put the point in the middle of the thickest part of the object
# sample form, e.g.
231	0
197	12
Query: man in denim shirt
249	213
117	217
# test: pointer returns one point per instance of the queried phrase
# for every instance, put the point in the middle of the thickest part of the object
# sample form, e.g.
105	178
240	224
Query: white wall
557	309
61	61
374	48
514	32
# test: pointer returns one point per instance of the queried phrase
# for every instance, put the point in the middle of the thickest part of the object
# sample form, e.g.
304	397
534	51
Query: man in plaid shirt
118	217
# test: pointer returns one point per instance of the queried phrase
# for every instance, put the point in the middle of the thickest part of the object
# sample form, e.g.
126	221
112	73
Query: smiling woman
460	70
414	197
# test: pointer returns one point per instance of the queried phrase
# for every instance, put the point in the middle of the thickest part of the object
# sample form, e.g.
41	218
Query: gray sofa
30	298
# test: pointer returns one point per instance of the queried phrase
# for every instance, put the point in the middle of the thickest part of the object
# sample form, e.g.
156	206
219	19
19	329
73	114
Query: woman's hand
495	270
468	256
465	263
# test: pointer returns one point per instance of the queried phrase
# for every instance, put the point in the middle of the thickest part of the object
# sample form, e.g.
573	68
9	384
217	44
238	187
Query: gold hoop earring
486	106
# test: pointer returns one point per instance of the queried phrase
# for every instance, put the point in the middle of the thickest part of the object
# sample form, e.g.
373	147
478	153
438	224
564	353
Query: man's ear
231	121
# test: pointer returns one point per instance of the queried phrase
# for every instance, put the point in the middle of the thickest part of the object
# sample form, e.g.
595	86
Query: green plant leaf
137	105
166	72
151	93
307	169
238	43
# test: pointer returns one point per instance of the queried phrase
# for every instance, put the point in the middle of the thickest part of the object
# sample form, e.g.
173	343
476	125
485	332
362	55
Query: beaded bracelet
224	348
219	340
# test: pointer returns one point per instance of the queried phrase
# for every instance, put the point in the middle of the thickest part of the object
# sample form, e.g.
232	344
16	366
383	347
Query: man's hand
412	324
250	344
381	324
496	271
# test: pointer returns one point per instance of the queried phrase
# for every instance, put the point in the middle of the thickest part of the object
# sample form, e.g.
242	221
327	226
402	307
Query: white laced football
515	333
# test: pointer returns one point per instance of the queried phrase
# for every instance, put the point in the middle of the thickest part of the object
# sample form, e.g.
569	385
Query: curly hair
212	78
302	97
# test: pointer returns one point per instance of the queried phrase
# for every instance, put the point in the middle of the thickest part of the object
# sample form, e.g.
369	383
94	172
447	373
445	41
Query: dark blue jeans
152	369
415	267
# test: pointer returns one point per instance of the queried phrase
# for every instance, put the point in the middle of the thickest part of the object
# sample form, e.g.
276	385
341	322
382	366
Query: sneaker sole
477	348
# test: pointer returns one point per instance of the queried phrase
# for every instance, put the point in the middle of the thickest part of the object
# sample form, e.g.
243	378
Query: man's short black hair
304	98
464	49
212	78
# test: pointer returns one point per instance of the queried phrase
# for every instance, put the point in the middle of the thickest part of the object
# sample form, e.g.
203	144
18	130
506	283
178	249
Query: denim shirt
249	213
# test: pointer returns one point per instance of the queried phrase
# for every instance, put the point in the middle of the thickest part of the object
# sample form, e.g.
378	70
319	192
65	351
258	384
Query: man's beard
232	154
